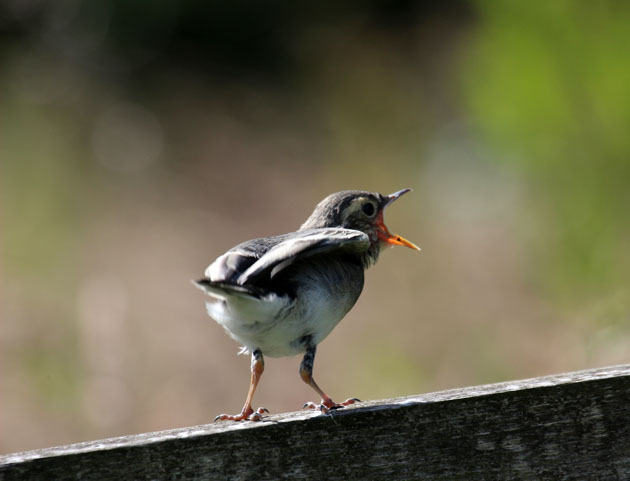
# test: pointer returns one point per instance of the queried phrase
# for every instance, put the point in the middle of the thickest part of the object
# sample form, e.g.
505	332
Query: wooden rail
569	426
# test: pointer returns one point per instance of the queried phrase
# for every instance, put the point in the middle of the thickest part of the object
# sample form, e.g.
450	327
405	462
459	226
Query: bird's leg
306	373
247	413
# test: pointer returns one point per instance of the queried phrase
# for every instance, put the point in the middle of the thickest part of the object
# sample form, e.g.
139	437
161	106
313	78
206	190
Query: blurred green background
140	140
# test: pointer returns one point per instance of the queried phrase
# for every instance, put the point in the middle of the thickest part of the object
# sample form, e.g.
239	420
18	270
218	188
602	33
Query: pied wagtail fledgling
281	296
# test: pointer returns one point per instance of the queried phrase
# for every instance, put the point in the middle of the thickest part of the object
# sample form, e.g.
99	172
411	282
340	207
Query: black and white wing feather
228	267
246	262
303	244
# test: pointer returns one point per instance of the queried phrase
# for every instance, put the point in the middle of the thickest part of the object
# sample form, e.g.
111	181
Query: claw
328	405
245	415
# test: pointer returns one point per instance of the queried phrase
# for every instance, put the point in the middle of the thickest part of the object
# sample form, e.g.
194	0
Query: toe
244	414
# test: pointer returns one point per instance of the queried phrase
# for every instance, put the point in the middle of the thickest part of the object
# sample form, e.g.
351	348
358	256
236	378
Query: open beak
383	232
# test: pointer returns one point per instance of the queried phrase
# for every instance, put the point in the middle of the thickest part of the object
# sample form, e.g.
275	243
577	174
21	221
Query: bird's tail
224	289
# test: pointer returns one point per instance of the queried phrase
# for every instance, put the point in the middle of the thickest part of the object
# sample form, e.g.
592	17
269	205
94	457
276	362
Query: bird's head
359	210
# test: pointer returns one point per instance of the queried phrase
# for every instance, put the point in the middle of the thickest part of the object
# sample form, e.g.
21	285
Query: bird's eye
368	209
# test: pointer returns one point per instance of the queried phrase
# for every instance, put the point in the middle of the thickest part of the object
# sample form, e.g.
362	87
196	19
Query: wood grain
569	426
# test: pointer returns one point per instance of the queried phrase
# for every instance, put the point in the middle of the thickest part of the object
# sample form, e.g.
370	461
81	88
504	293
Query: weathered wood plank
571	426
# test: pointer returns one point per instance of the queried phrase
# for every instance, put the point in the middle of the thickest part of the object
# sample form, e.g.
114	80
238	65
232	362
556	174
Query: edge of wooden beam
146	439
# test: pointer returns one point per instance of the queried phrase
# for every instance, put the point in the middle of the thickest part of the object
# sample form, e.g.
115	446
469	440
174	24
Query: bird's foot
245	415
328	405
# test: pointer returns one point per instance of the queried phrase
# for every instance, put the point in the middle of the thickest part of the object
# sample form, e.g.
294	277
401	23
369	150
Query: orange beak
383	232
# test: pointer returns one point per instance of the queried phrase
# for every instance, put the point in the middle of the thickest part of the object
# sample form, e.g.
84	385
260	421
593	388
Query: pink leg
247	413
306	373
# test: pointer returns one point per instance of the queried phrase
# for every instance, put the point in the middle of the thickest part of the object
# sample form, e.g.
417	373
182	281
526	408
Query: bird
281	296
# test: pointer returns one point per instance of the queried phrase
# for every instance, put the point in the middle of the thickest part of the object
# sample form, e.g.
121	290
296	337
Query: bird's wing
302	244
228	267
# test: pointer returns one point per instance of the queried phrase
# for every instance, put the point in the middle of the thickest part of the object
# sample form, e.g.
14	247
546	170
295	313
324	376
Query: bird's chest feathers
320	307
326	291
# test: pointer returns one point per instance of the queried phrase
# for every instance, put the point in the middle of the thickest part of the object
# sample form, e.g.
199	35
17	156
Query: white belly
278	325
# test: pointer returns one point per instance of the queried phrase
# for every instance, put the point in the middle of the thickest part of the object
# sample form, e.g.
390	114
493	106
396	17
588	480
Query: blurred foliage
548	84
243	39
42	192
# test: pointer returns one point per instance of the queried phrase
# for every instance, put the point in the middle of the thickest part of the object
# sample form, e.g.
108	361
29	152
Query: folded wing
303	244
228	267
